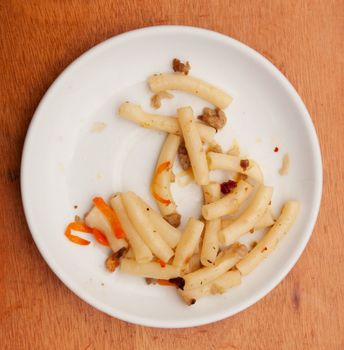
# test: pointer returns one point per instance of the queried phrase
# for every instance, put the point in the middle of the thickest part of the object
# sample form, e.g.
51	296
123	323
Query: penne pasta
193	145
145	228
169	234
229	203
188	242
248	218
186	83
149	270
270	240
223	263
141	252
96	219
167	124
266	221
162	181
218	286
194	264
219	161
210	244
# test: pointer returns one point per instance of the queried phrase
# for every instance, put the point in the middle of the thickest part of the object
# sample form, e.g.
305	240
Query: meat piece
183	157
216	118
178	281
181	67
173	219
156	99
226	187
112	262
244	163
151	281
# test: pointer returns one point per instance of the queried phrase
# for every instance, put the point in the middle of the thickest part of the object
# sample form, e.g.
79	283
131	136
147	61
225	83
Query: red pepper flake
162	263
227	187
276	149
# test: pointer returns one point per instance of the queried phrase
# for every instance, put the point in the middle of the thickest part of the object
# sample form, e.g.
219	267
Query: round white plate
68	158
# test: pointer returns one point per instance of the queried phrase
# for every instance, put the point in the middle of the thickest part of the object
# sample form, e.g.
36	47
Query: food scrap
228	186
181	67
215	118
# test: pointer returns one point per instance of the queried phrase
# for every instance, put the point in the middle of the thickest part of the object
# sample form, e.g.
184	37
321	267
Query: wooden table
304	39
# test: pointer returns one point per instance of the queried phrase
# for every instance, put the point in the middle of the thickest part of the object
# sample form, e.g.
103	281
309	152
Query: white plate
65	163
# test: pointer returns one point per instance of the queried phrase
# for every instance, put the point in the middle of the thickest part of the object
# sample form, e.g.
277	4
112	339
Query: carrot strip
110	215
162	263
77	226
162	167
100	237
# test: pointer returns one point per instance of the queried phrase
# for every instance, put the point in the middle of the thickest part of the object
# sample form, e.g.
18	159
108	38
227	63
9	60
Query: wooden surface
304	39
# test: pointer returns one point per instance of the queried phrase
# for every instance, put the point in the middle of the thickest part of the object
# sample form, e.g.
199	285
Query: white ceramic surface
65	162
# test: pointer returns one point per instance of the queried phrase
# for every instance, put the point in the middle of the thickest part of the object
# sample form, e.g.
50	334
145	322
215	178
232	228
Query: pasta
271	239
239	165
140	250
151	269
223	263
169	234
206	258
266	221
210	244
229	203
96	219
173	81
193	145
248	218
145	228
162	181
218	286
188	242
167	124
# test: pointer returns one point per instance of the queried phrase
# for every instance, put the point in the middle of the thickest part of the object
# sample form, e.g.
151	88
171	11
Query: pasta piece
141	252
188	242
186	83
145	228
248	218
239	165
194	264
266	221
96	219
223	263
170	125
130	254
218	286
229	203
193	145
149	270
169	234
161	182
210	245
270	240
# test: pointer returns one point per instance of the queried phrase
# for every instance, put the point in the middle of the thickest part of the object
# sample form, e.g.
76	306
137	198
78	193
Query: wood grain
304	39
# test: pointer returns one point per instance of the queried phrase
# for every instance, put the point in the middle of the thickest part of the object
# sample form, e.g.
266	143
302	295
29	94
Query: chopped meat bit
112	262
173	219
156	99
178	281
215	148
183	157
252	230
276	149
192	301
244	163
151	280
253	244
227	187
213	117
75	207
181	67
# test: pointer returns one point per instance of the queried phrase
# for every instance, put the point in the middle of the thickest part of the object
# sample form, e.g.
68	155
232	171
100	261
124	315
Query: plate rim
144	321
